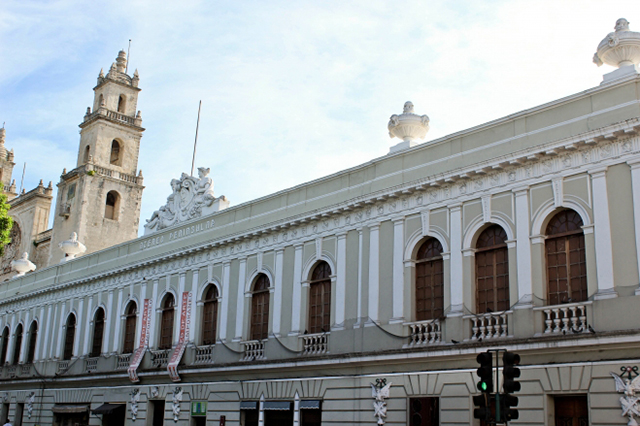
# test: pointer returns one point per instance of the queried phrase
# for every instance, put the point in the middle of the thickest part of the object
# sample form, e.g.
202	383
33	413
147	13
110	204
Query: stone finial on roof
3	151
407	126
23	265
72	247
620	48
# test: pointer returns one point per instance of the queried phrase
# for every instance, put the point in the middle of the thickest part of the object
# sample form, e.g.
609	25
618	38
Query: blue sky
291	91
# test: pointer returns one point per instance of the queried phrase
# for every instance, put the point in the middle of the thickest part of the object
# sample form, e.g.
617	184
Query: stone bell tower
100	198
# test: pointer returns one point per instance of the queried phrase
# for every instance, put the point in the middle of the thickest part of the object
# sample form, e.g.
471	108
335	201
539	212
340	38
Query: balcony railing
160	358
62	367
489	326
314	344
25	370
565	319
123	361
91	365
253	350
424	332
204	354
10	371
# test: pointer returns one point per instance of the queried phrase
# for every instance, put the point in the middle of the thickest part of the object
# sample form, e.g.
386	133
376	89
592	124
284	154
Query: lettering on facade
183	232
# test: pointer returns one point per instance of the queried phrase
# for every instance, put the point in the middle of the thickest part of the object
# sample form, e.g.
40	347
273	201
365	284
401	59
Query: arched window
210	315
33	336
566	263
260	308
492	271
130	314
112	205
87	153
166	323
100	101
121	104
4	348
18	346
98	332
69	337
115	153
320	299
429	281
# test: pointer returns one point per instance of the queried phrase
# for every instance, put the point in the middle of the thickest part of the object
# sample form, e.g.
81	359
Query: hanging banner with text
138	354
183	339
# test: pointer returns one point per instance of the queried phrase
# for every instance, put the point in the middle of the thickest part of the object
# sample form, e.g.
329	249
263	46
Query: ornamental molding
380	392
565	157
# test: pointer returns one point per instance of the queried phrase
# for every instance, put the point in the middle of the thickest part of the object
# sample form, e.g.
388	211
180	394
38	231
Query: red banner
138	354
183	339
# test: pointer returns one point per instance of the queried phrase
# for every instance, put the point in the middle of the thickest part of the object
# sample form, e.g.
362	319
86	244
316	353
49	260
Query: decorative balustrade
253	350
204	354
314	344
62	367
113	115
123	361
160	358
11	371
424	332
114	174
489	326
565	319
91	365
25	370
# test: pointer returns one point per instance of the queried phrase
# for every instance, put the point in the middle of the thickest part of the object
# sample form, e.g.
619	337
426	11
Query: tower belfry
100	198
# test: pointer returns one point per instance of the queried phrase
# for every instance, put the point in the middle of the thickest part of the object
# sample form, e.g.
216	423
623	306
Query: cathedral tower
100	198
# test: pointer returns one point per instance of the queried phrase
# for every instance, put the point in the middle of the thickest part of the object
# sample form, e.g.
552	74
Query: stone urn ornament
72	248
23	265
407	126
620	49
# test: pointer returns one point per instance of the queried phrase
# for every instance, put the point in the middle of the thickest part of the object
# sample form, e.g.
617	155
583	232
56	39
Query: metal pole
126	68
195	143
22	180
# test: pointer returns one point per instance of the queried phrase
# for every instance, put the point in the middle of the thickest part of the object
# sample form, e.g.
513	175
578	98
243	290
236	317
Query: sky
291	91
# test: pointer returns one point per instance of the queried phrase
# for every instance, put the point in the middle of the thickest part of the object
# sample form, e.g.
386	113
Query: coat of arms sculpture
191	198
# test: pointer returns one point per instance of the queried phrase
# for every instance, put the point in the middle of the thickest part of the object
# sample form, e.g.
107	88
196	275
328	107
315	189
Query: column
41	334
341	281
88	325
360	266
277	296
76	337
61	329
118	323
297	290
194	300
111	320
523	249
12	337
25	338
374	271
224	314
635	192
43	352
602	234
398	271
242	271
55	328
455	233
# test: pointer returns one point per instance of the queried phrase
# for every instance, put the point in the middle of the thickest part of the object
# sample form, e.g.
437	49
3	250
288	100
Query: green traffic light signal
485	372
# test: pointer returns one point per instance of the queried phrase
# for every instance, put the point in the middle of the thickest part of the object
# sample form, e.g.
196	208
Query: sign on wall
198	408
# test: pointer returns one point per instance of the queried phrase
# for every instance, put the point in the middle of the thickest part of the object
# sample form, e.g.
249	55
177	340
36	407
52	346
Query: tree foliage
6	223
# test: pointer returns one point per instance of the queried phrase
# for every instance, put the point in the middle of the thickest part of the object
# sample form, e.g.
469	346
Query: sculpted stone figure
191	198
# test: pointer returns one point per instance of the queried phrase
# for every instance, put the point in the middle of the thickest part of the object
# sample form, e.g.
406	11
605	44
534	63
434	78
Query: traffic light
485	372
509	373
483	404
